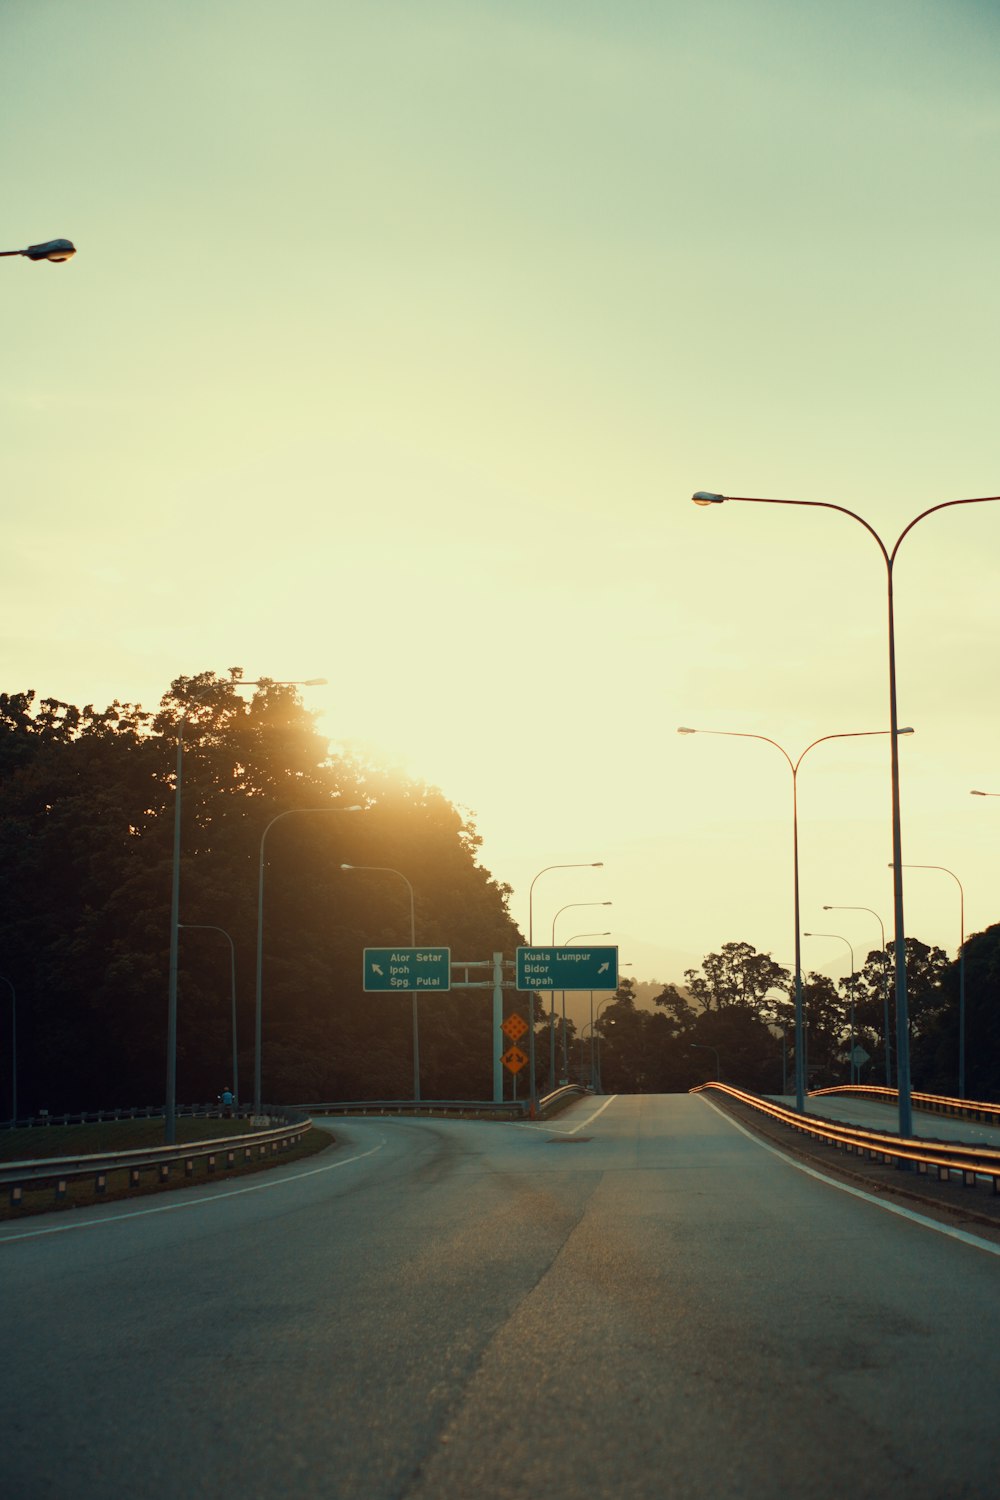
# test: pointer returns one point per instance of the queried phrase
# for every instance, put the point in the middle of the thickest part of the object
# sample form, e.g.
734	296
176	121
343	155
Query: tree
86	835
736	978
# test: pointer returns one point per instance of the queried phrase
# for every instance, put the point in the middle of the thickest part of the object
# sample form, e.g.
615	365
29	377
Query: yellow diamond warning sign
515	1027
514	1059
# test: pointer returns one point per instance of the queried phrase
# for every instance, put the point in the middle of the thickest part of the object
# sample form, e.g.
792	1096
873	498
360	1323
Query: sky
398	338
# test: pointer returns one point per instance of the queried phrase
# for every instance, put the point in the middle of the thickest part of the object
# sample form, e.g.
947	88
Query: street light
552	1013
984	794
208	927
850	950
961	969
708	497
385	870
55	250
575	939
258	1005
170	1107
596	864
794	768
885	984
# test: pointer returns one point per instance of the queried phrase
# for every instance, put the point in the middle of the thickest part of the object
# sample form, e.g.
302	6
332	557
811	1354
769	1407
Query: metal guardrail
509	1108
940	1104
16	1176
129	1112
948	1160
234	1150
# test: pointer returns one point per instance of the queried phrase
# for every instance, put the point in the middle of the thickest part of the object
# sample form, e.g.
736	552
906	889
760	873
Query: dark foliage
86	838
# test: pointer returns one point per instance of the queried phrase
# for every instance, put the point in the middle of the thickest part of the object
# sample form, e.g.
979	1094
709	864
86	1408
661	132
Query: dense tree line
736	1016
87	802
86	838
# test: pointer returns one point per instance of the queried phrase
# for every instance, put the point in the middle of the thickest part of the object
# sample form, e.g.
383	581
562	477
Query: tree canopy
86	835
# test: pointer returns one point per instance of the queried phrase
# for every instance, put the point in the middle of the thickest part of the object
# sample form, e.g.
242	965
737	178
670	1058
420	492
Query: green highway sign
407	968
567	968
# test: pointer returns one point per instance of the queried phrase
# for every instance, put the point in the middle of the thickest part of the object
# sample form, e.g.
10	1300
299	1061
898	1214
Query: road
640	1300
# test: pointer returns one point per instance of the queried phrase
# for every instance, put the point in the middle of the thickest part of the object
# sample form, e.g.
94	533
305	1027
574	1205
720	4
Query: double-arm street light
56	250
885	984
199	695
794	768
385	870
708	497
961	969
850	949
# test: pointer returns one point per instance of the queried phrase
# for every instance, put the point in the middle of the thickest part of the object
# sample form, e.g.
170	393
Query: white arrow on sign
604	968
376	969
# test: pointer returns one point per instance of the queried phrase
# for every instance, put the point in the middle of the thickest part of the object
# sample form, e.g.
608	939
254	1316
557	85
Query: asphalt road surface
640	1300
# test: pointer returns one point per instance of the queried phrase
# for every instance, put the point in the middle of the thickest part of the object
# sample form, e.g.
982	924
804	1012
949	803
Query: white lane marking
200	1201
555	1130
844	1187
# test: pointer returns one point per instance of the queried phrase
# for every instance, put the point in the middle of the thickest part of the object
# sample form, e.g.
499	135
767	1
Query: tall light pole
55	250
13	1049
597	1018
199	695
385	870
209	927
961	969
258	1005
885	984
552	1014
800	1091
594	864
850	950
707	497
575	939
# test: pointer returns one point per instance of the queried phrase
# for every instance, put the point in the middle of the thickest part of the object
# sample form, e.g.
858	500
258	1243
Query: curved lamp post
55	250
209	927
594	864
708	497
552	1012
258	1005
961	969
885	984
794	768
170	1108
850	950
575	939
385	870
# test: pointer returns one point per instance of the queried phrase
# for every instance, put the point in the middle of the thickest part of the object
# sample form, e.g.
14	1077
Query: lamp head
315	682
56	250
687	731
707	497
